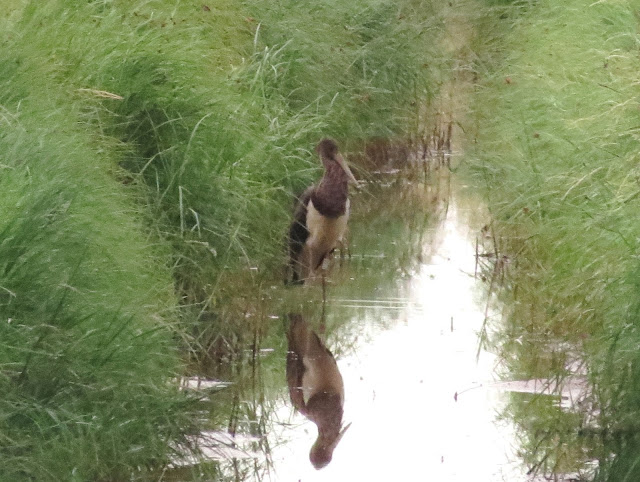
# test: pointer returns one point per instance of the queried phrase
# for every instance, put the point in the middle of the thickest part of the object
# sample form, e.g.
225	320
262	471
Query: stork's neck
325	410
330	197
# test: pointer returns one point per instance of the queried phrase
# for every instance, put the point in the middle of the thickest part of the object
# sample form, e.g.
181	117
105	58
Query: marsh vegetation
557	159
150	152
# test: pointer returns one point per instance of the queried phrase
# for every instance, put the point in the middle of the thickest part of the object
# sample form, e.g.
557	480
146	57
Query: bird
316	388
321	215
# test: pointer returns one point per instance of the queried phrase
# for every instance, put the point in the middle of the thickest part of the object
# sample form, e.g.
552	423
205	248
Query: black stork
321	215
316	388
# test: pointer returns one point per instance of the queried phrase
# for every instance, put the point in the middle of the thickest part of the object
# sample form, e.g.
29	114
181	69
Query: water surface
418	396
403	317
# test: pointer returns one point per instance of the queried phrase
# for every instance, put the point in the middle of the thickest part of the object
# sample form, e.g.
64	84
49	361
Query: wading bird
321	215
315	387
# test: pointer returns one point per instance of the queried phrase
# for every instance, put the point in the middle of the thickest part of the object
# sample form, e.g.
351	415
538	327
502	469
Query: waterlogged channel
402	319
419	400
400	344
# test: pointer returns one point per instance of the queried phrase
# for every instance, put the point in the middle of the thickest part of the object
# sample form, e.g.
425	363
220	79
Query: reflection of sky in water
401	378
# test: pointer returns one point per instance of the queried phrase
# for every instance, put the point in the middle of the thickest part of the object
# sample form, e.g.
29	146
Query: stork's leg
312	262
306	264
324	304
320	264
295	270
343	245
324	289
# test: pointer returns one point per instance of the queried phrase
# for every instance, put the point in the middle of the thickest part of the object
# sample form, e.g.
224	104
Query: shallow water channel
402	317
416	392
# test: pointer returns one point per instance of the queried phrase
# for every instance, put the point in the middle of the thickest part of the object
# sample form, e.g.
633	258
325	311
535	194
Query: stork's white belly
321	374
325	233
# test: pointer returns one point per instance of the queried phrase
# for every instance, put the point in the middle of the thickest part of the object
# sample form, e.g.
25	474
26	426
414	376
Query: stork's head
322	450
327	149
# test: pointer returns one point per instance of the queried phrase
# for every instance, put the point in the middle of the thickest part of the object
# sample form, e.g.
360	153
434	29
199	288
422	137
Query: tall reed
556	156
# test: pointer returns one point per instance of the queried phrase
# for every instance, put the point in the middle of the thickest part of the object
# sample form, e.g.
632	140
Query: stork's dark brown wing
298	234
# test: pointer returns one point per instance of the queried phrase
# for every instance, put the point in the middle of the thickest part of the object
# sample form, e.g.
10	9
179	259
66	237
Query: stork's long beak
340	435
345	168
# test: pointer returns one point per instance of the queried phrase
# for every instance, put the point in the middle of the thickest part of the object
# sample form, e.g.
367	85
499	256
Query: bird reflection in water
315	387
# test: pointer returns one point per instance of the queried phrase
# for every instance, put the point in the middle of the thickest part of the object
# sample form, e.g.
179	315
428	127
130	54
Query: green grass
557	158
149	153
86	349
